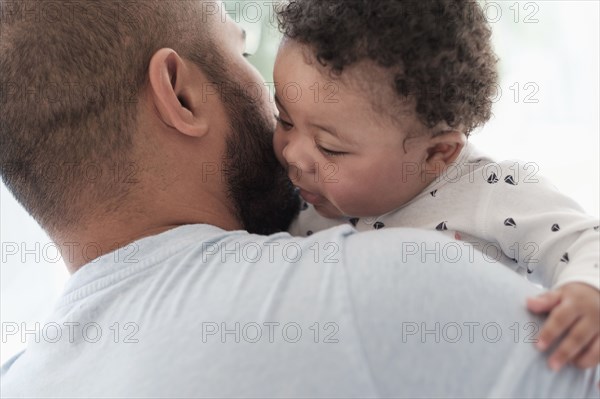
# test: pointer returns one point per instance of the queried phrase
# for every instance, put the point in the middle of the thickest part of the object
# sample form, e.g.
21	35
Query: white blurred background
547	113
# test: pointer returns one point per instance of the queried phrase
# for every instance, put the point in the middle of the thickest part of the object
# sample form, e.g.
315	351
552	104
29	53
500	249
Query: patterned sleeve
309	221
541	229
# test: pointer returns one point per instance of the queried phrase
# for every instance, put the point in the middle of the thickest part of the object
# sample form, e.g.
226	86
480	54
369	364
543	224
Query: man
175	300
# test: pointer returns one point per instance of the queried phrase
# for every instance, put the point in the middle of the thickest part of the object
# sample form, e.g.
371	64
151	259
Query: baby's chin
327	210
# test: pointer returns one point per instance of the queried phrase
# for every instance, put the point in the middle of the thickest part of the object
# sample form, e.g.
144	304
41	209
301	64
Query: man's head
126	109
392	89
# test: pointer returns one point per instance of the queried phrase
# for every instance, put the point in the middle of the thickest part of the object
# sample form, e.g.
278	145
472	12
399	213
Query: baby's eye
246	55
330	153
284	124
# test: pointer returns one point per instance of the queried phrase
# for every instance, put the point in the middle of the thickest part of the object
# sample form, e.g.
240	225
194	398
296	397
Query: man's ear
171	85
443	149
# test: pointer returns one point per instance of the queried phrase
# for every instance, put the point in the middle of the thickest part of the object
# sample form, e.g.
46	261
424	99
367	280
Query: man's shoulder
7	365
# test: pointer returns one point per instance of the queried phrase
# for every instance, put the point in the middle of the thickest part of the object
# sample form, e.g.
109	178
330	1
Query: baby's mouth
309	197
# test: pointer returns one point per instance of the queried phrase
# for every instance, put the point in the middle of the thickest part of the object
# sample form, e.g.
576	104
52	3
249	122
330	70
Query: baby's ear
444	148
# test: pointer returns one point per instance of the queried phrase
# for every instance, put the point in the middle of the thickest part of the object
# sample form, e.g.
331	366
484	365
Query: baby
376	102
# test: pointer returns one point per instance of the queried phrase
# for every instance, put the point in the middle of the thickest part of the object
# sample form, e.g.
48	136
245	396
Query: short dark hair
438	51
70	78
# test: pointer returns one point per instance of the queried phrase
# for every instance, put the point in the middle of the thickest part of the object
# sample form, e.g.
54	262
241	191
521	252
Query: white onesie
506	210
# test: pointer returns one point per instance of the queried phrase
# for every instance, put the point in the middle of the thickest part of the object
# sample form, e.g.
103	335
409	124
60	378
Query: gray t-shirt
200	312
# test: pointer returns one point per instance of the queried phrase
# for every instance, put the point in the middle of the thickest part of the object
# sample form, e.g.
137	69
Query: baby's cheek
341	193
362	197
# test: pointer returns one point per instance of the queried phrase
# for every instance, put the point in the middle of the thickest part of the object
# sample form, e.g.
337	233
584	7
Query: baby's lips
309	197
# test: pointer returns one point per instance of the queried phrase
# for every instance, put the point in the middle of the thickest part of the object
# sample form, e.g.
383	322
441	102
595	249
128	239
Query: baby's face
346	158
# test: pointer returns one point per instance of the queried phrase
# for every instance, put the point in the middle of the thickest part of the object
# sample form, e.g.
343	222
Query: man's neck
106	234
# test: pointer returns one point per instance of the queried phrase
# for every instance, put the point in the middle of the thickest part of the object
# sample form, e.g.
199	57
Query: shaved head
70	77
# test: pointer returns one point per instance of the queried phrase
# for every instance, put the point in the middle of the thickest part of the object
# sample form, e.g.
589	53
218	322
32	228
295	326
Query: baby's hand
575	312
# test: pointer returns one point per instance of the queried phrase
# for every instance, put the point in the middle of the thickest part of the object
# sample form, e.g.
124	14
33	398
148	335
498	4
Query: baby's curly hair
438	51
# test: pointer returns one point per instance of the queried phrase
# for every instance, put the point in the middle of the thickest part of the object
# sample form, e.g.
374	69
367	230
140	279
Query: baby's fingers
578	337
543	303
590	356
559	321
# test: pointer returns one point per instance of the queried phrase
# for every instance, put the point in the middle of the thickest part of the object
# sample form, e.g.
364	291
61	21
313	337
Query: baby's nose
297	156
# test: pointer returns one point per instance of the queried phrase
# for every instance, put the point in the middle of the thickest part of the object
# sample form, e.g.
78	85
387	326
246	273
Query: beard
257	184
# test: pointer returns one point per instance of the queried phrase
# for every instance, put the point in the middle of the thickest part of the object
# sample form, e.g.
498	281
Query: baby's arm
550	235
